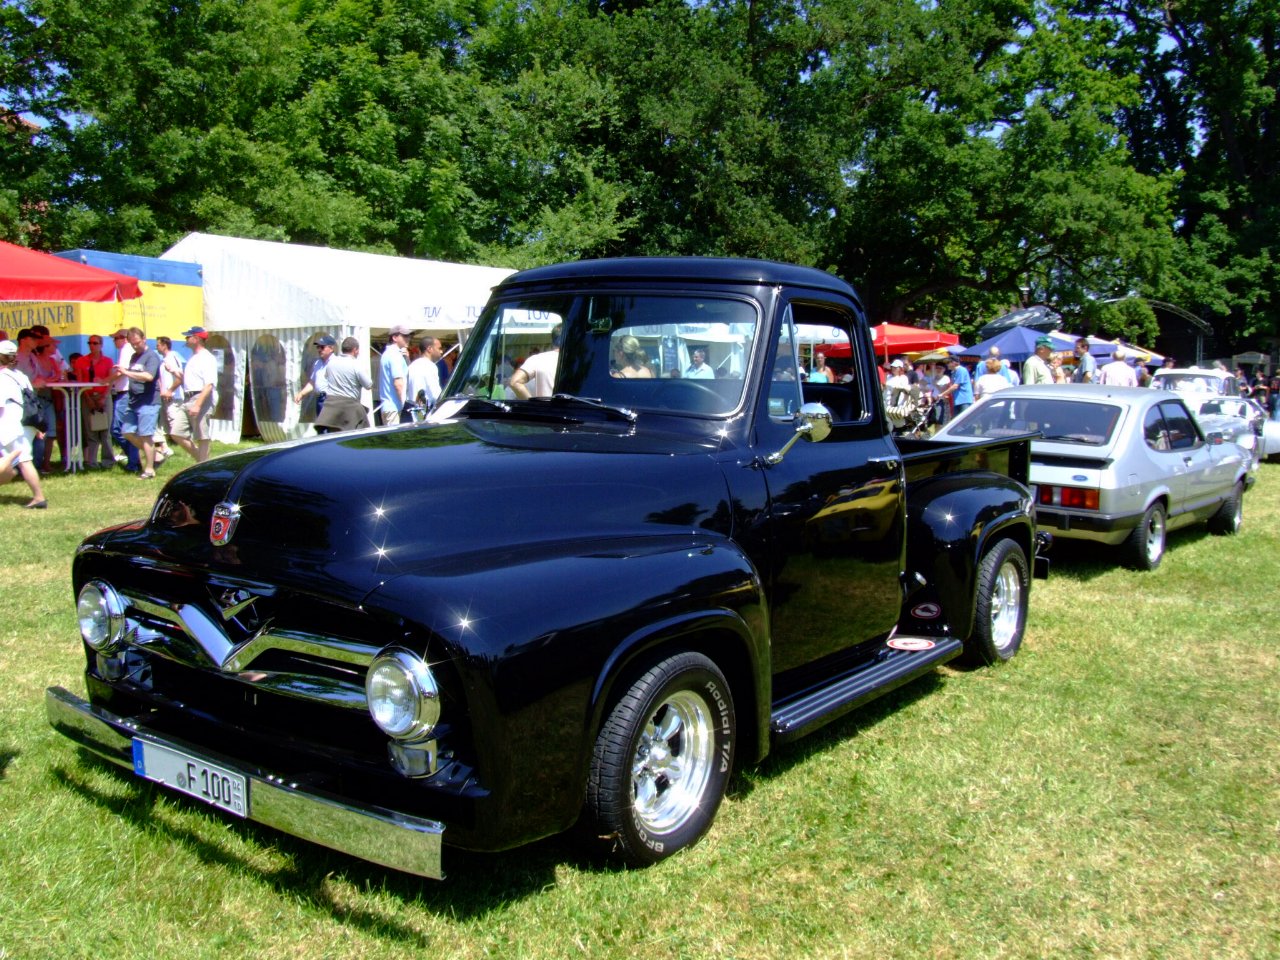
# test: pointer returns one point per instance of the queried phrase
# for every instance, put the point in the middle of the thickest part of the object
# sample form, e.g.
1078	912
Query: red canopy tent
891	338
31	275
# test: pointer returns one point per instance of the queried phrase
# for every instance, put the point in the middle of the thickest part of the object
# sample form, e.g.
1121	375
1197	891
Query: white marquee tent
264	304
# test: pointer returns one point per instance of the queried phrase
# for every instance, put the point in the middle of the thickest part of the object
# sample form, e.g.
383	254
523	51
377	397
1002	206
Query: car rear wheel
1000	614
1145	546
1230	516
662	760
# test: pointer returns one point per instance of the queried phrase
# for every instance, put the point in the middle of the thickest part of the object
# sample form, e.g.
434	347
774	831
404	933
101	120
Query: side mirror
814	424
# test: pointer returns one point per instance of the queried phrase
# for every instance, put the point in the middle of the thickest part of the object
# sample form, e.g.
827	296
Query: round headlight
403	698
101	614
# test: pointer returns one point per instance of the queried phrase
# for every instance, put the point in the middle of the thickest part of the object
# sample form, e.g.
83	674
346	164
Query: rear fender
952	521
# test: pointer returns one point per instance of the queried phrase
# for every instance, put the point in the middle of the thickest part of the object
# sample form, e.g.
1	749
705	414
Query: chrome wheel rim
1155	536
1006	606
672	763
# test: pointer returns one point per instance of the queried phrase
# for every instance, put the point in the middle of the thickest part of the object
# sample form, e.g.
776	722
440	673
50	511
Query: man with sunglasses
95	367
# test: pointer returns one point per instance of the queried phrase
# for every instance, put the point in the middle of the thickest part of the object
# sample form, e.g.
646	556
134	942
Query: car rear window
1063	421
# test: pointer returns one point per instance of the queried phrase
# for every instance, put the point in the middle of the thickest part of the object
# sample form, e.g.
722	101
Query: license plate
215	785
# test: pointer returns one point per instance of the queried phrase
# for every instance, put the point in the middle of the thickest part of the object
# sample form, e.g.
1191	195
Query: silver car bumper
392	839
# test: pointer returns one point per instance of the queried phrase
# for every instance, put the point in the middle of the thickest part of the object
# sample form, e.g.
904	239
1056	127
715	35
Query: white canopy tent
265	303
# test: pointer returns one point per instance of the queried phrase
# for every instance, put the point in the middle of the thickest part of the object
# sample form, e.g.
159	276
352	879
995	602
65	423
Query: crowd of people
944	390
142	400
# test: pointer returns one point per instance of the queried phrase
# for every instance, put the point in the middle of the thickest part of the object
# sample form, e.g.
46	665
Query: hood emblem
225	517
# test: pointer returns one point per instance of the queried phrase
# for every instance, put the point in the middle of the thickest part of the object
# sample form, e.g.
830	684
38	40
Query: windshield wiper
488	402
626	413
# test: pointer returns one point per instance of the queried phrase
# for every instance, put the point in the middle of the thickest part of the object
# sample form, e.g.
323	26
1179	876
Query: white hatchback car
1196	384
1121	466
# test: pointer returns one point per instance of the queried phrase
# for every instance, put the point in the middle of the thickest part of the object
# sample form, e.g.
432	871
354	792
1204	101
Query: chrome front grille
292	663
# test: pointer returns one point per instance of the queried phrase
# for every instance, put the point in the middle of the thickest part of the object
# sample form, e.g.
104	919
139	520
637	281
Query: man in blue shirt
961	389
1086	366
394	377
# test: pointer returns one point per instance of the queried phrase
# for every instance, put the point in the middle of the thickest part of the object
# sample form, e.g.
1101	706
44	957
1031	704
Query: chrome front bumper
385	837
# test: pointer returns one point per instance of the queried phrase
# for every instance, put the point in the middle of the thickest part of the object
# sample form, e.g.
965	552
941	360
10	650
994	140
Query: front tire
1230	516
662	760
1000	613
1145	546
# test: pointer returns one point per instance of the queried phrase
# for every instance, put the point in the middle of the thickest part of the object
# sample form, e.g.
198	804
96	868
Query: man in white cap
394	381
897	395
15	439
1117	373
189	420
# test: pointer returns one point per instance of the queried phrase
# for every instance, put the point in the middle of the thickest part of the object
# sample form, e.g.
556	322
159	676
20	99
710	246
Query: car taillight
1081	498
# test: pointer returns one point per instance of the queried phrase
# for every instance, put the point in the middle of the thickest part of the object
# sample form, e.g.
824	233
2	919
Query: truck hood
346	512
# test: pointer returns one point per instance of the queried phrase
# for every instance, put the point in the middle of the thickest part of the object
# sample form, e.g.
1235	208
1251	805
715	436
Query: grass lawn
1112	792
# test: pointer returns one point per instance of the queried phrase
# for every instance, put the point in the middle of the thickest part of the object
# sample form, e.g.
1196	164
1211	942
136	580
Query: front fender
952	521
540	638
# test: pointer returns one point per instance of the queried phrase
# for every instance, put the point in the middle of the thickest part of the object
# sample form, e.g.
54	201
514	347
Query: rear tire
1144	548
662	761
1230	516
1000	613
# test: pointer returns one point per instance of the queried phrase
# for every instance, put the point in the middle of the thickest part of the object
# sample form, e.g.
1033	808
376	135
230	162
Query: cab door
835	518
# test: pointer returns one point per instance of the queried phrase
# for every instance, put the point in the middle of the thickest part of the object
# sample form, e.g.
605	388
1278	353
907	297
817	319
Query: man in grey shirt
347	377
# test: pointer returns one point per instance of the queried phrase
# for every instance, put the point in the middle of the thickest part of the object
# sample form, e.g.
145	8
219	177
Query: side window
1154	431
833	375
1183	433
784	378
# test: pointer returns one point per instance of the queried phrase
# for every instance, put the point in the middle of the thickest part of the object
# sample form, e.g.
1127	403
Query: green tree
1208	75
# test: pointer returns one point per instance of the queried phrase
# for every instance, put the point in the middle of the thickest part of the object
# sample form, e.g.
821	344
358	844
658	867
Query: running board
890	669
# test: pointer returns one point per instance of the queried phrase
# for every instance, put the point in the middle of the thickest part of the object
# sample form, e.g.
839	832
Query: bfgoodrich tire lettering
1000	611
662	760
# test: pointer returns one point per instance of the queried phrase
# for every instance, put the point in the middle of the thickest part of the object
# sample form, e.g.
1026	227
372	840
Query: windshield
1226	407
675	354
1065	421
1190	382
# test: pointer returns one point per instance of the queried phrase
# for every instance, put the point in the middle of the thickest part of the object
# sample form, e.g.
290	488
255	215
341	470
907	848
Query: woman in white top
993	381
15	439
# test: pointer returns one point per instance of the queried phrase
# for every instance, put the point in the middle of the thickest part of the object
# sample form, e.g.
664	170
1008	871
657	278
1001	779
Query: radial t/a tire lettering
1002	588
662	760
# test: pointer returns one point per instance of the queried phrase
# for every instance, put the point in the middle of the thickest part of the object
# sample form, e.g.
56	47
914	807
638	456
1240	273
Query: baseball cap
200	332
896	363
122	332
400	330
8	348
325	341
1044	342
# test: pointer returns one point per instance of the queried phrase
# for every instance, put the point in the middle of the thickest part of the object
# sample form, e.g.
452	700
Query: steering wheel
691	396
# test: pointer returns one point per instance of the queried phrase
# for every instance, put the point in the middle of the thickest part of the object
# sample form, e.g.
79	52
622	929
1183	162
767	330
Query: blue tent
1016	344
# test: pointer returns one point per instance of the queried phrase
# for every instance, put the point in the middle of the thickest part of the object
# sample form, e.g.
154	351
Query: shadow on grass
7	757
476	883
1084	560
783	757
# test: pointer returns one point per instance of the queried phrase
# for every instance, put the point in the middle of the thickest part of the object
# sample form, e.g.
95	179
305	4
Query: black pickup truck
581	607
